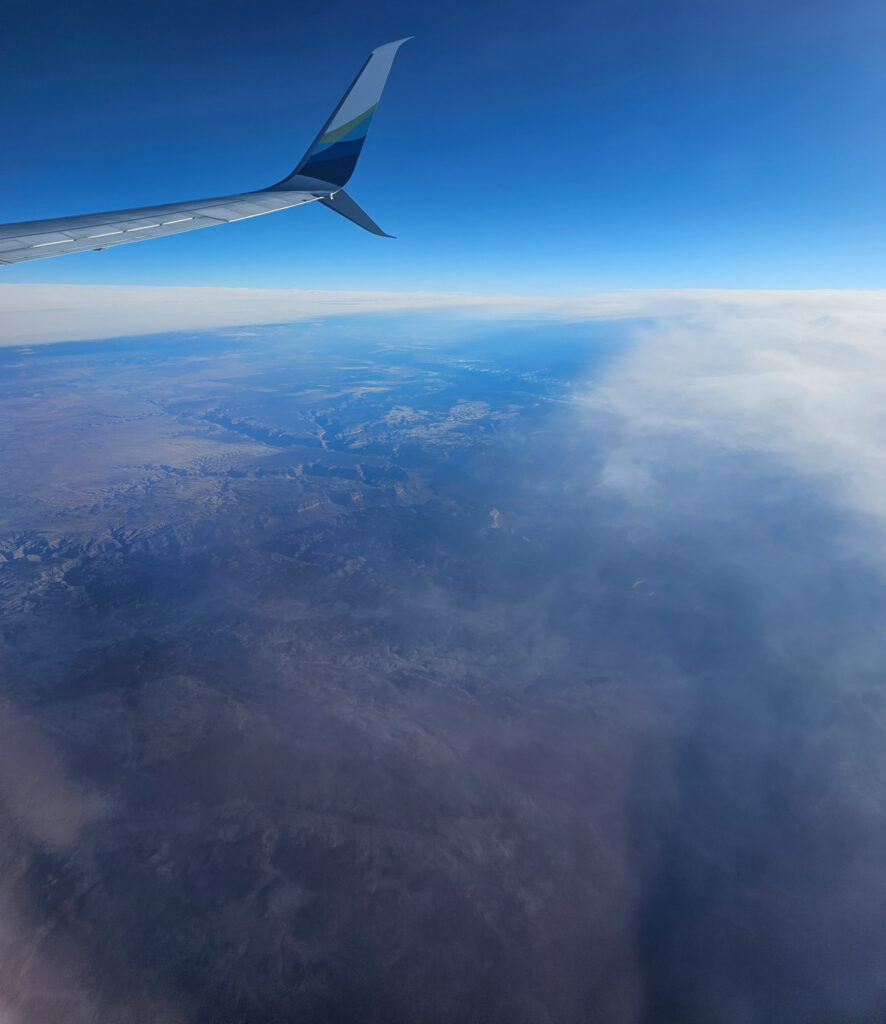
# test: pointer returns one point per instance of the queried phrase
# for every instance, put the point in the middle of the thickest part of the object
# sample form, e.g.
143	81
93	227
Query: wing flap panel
33	240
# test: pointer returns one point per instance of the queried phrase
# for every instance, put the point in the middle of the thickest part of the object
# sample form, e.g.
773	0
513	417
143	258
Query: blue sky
552	148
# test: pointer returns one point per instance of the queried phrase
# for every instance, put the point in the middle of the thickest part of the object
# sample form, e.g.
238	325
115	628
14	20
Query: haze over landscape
484	626
483	672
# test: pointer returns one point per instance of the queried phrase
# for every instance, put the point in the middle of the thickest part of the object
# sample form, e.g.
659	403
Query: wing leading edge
333	155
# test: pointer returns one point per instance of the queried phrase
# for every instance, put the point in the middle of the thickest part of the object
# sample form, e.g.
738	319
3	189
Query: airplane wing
320	176
37	239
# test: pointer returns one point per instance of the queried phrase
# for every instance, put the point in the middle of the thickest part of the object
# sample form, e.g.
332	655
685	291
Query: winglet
342	203
333	154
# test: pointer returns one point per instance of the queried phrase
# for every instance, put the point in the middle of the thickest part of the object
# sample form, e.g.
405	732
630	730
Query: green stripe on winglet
342	130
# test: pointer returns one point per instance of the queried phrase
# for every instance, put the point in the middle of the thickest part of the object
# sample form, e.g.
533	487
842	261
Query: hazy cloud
41	313
798	377
35	793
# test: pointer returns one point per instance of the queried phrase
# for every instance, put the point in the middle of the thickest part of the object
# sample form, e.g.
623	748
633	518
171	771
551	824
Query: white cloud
41	313
37	313
800	377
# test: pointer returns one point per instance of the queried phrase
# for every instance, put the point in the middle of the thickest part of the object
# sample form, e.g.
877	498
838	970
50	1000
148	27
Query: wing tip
395	45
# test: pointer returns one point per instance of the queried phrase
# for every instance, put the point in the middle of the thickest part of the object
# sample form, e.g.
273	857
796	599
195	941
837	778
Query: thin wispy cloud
39	314
33	314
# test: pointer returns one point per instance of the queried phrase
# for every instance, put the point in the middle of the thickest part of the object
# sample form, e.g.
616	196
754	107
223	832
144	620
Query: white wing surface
37	239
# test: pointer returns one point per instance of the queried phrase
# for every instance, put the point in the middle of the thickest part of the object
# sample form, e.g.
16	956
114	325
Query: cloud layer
33	314
798	377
